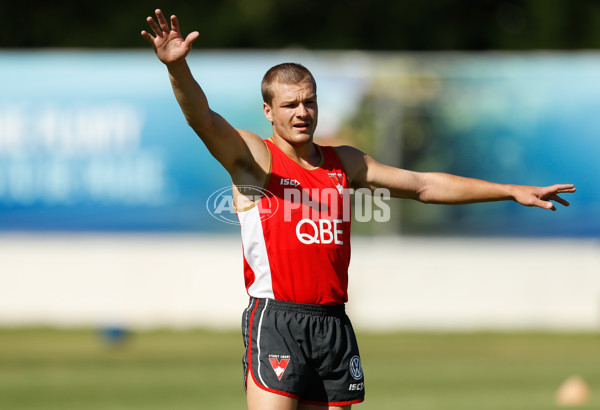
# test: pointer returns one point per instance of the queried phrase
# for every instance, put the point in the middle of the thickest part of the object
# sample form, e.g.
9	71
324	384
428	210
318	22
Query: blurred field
77	369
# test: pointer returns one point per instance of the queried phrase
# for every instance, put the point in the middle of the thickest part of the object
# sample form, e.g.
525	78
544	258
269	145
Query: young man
301	352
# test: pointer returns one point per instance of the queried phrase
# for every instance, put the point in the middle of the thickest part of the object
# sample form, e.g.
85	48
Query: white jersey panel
255	252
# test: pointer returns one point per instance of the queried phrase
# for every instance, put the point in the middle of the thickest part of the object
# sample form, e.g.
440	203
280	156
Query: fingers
559	200
148	36
550	193
192	37
545	205
563	188
157	31
162	27
174	23
175	27
162	21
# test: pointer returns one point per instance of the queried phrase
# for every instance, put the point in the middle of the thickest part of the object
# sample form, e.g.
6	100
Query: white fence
396	283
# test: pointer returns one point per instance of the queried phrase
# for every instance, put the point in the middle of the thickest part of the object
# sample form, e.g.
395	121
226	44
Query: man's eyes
294	105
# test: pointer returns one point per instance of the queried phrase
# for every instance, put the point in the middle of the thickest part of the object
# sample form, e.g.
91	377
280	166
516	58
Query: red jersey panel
296	239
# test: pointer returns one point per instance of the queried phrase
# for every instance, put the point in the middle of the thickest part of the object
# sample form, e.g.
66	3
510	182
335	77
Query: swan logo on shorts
356	368
279	364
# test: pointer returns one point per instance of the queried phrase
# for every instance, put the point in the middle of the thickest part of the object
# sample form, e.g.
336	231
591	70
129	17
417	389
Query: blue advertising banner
95	141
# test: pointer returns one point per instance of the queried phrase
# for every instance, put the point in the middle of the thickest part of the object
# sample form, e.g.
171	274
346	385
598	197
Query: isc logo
289	182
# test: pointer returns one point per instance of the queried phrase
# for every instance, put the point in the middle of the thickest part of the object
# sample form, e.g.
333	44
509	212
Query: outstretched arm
440	188
242	153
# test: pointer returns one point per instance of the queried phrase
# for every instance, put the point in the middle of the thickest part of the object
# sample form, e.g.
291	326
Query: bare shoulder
353	160
254	165
365	172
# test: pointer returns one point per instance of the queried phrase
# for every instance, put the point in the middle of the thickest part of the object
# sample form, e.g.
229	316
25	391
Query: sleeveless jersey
296	238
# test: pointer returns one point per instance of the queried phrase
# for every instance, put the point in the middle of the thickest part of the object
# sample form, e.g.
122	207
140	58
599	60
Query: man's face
293	111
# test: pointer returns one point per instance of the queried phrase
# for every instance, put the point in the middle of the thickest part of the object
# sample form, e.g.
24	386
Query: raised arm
242	154
440	188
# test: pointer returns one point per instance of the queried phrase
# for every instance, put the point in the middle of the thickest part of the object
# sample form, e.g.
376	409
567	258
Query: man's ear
267	111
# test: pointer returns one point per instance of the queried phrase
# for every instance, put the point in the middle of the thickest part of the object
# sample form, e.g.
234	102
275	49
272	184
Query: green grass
476	371
74	369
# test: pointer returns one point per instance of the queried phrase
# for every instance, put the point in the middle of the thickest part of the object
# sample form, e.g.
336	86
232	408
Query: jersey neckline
321	154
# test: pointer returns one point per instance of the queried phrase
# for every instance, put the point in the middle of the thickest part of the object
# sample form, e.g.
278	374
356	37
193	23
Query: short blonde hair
286	73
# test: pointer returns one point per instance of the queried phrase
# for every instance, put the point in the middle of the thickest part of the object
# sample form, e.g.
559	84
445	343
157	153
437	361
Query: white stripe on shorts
258	342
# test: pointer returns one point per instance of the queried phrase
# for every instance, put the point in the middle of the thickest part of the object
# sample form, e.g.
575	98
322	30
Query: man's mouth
303	126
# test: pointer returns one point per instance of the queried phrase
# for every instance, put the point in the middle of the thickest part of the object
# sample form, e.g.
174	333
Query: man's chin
300	138
303	138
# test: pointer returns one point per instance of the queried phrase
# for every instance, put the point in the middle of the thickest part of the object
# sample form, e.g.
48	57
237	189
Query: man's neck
306	154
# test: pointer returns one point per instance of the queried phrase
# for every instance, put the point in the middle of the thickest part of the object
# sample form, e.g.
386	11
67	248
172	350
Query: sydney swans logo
279	364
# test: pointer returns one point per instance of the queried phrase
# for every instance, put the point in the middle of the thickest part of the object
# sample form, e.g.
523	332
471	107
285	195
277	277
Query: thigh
341	381
274	360
304	406
259	399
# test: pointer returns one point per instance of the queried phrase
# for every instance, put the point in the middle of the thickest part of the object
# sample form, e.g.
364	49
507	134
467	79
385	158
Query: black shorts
308	352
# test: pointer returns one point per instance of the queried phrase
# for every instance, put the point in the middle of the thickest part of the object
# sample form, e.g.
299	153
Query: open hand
168	43
542	196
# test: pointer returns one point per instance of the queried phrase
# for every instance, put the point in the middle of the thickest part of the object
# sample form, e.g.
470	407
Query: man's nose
301	111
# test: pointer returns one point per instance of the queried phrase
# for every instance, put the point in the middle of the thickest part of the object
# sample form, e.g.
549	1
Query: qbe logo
322	231
220	203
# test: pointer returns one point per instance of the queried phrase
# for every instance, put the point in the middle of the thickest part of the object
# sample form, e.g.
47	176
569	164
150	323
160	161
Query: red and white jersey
296	238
